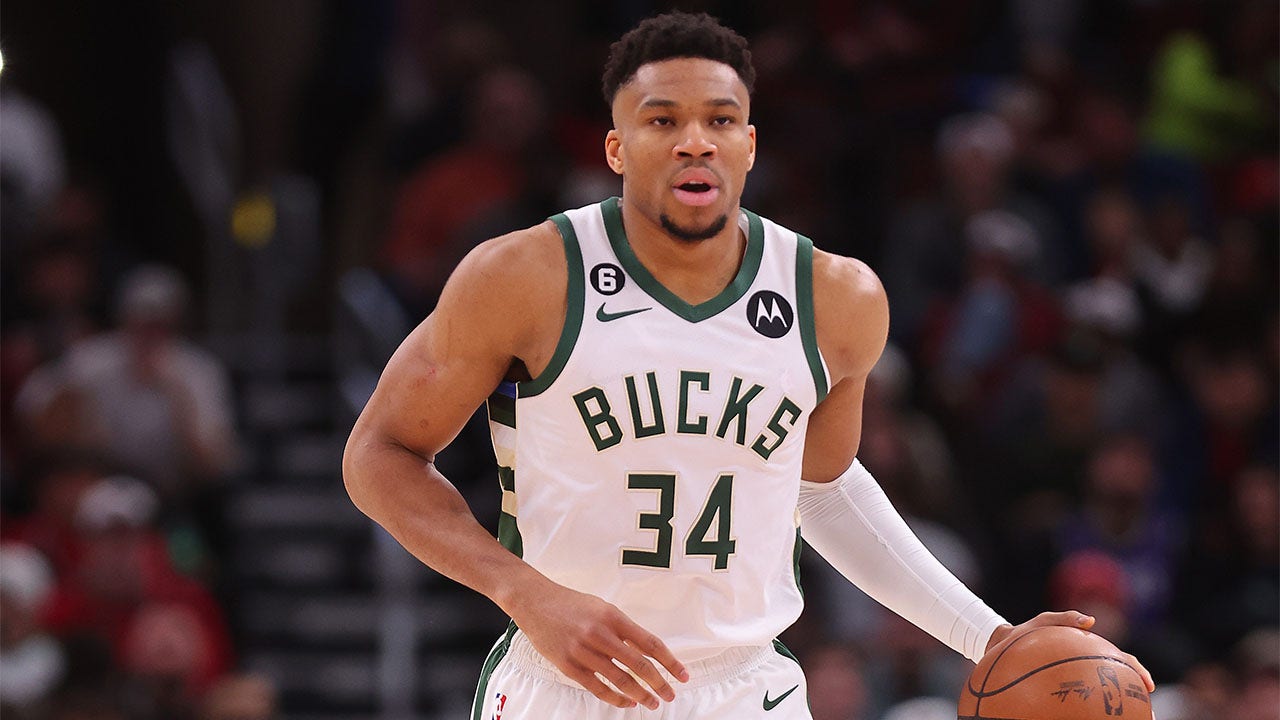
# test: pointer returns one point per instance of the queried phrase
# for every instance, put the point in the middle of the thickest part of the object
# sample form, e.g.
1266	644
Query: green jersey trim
784	651
496	655
795	561
508	524
804	302
572	313
693	313
502	407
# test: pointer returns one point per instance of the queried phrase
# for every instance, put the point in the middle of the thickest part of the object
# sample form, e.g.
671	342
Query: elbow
355	471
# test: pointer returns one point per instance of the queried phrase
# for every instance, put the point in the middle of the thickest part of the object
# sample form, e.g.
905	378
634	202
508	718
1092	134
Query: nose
695	143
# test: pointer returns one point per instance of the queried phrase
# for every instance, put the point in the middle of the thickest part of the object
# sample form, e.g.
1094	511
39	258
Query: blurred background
219	218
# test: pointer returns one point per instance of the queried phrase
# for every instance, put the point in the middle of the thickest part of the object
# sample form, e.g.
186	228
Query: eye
662	121
722	120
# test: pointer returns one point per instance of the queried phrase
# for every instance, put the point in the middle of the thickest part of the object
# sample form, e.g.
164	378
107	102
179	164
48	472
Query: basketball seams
1055	663
981	693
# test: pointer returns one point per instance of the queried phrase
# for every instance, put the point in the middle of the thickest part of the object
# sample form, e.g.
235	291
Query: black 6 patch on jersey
770	314
607	279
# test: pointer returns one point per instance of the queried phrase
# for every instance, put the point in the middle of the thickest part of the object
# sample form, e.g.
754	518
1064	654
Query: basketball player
674	386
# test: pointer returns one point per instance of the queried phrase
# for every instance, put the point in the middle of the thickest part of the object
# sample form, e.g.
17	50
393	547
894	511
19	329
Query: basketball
1054	673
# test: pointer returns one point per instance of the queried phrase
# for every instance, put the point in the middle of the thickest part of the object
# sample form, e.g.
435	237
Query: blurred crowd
1072	205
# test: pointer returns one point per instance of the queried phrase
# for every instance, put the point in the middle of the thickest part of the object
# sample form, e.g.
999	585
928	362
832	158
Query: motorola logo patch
770	314
607	279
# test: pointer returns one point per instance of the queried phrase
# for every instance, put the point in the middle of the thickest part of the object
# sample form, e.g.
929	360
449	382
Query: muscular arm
433	383
844	513
851	315
504	304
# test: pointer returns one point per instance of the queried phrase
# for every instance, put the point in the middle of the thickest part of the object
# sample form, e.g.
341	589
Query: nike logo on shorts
771	704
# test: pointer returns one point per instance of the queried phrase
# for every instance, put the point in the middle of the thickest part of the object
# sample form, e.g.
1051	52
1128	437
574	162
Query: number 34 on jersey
711	534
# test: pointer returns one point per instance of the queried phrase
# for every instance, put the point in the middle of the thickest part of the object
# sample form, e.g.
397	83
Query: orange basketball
1054	673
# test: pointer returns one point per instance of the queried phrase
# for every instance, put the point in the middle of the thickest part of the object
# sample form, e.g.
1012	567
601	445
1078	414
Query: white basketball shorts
755	682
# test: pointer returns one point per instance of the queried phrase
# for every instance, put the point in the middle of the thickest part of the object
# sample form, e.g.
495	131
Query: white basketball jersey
656	461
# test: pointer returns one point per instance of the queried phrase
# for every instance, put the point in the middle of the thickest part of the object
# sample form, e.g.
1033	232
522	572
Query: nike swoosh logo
771	704
603	316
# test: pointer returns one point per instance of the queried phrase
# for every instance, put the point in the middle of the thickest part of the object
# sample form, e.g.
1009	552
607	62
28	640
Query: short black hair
676	35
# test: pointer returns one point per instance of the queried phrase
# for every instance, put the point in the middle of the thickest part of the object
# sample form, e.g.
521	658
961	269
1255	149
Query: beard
692	235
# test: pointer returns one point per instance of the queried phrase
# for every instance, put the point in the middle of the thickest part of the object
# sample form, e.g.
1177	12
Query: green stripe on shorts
490	664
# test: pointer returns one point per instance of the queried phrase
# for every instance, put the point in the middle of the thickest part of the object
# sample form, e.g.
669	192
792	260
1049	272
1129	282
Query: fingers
626	661
1142	671
587	679
621	690
609	655
640	665
1069	618
627	684
651	645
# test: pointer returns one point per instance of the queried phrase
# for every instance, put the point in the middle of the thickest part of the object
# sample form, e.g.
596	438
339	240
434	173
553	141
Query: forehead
685	81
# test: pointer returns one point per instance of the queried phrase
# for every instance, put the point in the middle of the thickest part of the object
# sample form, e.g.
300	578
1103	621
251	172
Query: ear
613	150
751	153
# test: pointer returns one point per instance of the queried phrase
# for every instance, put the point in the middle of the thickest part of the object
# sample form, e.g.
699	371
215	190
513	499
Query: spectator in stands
434	221
1230	421
167	660
1242	295
977	337
1172	269
32	663
1173	264
1107	312
1201	109
33	168
912	457
925	251
1257	673
58	481
1119	517
1095	581
1026	466
125	580
1229	583
151	402
1044	432
51	309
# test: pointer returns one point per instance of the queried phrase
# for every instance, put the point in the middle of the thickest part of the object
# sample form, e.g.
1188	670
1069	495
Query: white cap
976	132
1004	234
1105	304
152	292
116	501
25	575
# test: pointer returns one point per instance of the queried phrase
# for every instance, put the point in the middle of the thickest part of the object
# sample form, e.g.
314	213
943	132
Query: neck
695	270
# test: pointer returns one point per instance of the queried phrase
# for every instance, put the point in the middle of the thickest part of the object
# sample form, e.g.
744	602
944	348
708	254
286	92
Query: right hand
583	635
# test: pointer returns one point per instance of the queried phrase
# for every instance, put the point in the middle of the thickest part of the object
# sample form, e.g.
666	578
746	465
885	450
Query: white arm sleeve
852	524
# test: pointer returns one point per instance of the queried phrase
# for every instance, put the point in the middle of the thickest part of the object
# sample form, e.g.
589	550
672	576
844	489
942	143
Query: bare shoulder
511	288
513	270
499	305
515	260
851	314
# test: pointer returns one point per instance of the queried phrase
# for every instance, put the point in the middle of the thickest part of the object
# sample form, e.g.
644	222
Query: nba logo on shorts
499	703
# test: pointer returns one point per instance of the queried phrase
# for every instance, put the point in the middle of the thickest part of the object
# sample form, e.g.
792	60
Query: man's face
682	144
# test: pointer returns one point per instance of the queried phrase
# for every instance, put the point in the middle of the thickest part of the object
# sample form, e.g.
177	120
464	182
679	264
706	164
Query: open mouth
695	187
696	193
